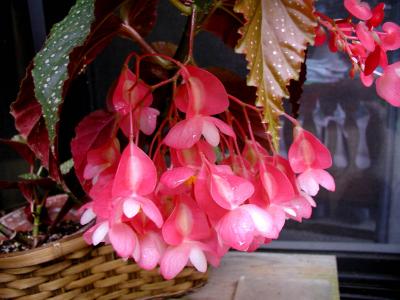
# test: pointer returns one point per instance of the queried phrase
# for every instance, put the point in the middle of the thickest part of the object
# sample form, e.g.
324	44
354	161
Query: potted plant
182	164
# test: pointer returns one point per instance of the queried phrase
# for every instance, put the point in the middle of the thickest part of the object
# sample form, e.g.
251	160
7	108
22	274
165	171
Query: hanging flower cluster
186	189
366	46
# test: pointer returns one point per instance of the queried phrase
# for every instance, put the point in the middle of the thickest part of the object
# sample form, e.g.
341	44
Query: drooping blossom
133	96
388	85
309	158
200	96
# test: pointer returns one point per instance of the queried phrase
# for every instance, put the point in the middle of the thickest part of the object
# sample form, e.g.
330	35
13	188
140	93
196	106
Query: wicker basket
70	269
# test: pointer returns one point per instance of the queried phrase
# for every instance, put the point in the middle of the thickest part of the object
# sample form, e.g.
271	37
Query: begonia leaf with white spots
274	40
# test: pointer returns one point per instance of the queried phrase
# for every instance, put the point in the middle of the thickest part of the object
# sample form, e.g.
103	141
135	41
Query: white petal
131	207
210	133
100	233
87	216
198	259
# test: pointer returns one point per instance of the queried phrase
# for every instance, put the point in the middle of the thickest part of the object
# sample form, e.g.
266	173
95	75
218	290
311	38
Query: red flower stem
229	119
166	57
192	28
146	47
241	103
162	83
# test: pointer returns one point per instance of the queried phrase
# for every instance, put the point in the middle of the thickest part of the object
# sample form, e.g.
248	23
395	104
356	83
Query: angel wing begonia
200	96
132	95
309	157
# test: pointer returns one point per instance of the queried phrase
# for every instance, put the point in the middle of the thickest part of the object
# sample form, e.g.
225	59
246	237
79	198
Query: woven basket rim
44	253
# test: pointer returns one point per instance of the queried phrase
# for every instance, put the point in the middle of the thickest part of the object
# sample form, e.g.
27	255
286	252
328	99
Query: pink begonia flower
100	159
200	96
390	36
133	95
308	156
204	200
239	227
176	258
365	36
136	177
186	222
186	231
152	248
359	9
227	189
388	85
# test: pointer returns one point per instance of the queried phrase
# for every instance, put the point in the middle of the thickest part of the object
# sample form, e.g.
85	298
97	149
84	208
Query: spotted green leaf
50	69
274	39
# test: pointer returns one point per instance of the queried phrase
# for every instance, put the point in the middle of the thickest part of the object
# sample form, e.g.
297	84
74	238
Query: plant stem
130	32
36	224
192	28
187	10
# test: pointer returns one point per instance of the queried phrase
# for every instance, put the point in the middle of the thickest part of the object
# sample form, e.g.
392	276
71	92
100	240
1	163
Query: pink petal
308	183
307	151
365	36
229	191
176	176
359	9
170	232
276	183
210	133
198	259
205	201
181	98
236	229
185	133
100	233
222	126
388	85
261	219
152	248
123	239
367	80
129	93
391	36
324	179
150	210
302	208
131	207
148	120
174	260
279	218
136	173
206	93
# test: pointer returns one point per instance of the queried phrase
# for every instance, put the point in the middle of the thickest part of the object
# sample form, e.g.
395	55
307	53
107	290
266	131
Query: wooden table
248	276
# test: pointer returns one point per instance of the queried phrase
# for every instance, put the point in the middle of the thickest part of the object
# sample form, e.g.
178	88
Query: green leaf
50	69
274	40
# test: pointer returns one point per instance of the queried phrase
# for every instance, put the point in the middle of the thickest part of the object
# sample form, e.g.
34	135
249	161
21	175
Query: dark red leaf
140	15
92	132
225	23
26	109
22	149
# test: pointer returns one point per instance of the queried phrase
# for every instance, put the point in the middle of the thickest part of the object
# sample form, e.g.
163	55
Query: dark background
360	223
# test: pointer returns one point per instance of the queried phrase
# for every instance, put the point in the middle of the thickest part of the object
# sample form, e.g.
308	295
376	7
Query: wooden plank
247	276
